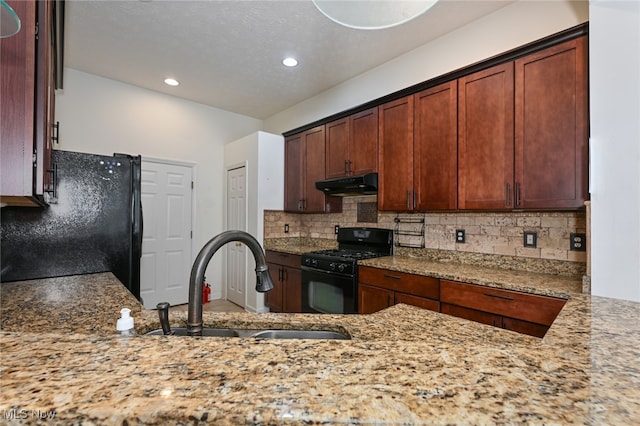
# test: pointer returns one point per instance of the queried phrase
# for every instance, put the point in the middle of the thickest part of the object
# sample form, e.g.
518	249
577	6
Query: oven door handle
320	271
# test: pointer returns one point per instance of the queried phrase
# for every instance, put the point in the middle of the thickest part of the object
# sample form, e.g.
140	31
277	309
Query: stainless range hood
366	184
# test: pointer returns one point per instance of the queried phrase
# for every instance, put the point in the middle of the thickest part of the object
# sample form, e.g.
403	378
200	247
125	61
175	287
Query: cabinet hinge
191	234
192	186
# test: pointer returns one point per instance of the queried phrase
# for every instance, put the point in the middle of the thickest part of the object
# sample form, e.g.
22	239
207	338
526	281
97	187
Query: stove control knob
341	267
314	262
332	265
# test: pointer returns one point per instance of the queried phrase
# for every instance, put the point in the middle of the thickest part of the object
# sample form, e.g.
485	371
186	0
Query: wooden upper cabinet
363	149
27	79
304	166
352	145
337	148
551	146
395	158
435	147
313	169
44	100
18	84
293	173
485	139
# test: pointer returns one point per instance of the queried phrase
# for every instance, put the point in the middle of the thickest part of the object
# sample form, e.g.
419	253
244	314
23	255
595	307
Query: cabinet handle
499	296
54	177
415	196
507	195
350	171
55	137
495	322
408	199
394	277
517	194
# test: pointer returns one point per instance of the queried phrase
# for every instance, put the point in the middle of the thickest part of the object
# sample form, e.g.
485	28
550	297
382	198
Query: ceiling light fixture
289	62
372	14
171	81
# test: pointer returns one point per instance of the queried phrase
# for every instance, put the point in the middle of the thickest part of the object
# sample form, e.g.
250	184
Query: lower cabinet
521	312
512	310
284	270
378	289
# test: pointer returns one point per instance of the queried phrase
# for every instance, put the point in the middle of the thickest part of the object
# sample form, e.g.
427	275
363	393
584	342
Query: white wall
615	148
503	30
103	116
263	156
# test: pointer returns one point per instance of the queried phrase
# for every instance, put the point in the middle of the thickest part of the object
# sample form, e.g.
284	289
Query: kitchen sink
259	334
206	332
300	334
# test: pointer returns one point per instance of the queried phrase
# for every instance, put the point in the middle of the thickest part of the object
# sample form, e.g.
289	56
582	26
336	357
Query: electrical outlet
286	228
336	229
530	239
577	241
460	236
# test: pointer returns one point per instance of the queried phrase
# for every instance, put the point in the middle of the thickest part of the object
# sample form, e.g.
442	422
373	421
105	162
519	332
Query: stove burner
347	254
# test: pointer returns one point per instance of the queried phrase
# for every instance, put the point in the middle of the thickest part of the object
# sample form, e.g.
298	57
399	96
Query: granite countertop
494	275
404	365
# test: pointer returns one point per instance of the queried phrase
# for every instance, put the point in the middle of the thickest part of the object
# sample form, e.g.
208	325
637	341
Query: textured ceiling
227	54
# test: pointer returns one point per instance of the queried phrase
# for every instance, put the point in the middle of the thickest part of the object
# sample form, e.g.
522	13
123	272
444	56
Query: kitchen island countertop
404	365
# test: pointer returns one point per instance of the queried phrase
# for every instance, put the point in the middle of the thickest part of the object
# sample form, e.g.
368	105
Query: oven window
326	298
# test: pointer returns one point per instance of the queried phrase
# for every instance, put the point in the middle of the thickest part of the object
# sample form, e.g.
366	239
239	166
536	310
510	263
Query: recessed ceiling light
171	81
289	62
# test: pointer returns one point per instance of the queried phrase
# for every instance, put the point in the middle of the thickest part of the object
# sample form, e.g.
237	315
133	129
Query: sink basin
300	334
258	334
206	332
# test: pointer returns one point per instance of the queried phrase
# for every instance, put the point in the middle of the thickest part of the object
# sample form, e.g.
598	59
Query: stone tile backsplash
487	233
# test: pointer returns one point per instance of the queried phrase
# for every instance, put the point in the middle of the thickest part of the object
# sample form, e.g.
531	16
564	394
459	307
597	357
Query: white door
166	244
236	220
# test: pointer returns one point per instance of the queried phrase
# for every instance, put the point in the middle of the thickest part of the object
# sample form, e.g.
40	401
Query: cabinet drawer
416	285
284	259
514	304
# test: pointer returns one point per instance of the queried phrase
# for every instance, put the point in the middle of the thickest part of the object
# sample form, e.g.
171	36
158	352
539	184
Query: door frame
227	169
194	173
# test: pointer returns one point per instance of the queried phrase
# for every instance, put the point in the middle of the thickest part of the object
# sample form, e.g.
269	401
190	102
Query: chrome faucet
263	280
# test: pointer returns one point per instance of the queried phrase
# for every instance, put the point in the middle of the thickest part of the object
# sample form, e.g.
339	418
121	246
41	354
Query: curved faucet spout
263	280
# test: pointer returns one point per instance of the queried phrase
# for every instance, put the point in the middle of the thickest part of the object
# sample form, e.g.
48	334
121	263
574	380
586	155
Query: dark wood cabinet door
314	160
524	327
471	314
44	99
363	149
337	148
273	298
17	78
551	127
421	302
435	147
293	179
373	299
485	139
395	157
292	293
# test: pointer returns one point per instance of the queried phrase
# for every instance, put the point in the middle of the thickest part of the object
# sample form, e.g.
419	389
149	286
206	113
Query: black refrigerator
93	223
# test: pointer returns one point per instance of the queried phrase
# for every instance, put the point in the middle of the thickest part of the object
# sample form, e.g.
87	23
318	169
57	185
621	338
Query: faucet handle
163	314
